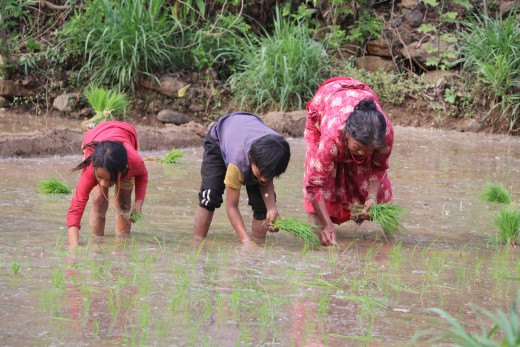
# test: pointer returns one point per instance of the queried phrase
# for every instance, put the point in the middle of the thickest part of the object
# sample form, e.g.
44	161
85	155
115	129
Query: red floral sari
331	174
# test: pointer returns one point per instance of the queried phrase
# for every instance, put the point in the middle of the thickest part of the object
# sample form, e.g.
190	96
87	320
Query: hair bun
366	104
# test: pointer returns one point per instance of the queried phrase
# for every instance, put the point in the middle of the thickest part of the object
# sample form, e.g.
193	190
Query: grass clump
496	193
505	331
173	156
507	222
105	103
53	186
388	215
304	230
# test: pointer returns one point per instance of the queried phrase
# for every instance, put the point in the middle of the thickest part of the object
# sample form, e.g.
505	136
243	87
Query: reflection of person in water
349	141
111	158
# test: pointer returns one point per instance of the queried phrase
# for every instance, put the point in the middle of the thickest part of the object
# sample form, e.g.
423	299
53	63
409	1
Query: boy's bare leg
124	203
258	229
203	219
98	211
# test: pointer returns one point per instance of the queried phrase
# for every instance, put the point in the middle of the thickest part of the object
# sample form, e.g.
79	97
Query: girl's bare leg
124	203
98	211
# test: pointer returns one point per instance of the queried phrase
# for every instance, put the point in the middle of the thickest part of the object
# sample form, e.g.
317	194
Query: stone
413	17
65	102
169	85
4	102
378	47
374	63
418	51
436	77
507	6
10	89
170	116
407	3
291	124
474	125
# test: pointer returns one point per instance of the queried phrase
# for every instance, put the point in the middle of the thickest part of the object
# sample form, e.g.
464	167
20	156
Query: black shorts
213	173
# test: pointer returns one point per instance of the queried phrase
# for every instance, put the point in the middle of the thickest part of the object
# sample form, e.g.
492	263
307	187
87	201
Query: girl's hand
137	207
272	215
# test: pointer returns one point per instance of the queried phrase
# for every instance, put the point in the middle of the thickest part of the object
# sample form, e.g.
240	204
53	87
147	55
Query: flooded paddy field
158	288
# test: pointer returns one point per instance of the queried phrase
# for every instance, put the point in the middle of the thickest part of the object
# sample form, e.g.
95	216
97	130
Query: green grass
105	103
496	193
173	156
304	230
53	186
283	70
388	215
507	222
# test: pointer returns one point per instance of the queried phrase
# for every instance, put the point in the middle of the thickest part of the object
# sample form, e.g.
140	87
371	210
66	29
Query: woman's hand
368	204
272	215
328	235
137	207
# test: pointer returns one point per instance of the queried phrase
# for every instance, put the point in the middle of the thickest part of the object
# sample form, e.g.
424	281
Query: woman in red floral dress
349	141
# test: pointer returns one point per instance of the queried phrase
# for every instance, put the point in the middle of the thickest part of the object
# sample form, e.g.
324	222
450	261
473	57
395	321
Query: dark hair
110	155
366	124
271	154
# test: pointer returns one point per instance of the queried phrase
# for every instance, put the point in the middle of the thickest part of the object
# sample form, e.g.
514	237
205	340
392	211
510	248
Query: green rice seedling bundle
388	215
507	222
105	103
496	193
304	230
53	186
173	156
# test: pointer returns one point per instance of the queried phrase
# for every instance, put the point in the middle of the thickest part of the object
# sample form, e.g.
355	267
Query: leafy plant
496	193
122	39
366	26
53	186
282	70
105	103
173	156
304	230
508	327
507	222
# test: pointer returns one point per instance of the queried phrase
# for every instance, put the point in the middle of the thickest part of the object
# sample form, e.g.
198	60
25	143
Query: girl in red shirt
111	159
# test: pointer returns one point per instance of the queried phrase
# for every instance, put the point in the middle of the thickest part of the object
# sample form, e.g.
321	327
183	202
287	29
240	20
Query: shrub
507	222
283	70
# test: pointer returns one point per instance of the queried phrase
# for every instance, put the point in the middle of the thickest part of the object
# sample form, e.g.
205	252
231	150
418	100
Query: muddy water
158	288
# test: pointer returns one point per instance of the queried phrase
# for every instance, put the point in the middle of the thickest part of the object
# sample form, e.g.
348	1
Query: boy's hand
272	215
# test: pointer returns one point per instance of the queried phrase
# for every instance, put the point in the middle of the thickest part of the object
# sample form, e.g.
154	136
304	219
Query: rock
407	3
291	124
169	85
413	17
507	6
437	76
65	102
4	102
10	88
421	54
374	63
378	47
169	116
474	125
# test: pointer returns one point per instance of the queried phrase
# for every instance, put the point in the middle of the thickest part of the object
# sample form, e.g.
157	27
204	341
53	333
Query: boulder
4	102
168	85
374	63
413	17
170	116
291	124
9	88
418	51
65	102
378	47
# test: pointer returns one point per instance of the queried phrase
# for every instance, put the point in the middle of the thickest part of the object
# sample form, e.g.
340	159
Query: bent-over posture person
349	141
241	150
111	159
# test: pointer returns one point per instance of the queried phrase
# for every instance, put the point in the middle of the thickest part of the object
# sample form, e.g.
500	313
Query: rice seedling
53	186
173	156
496	193
507	222
105	103
388	215
304	230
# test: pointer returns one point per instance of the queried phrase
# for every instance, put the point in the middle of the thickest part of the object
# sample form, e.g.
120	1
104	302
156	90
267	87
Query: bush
281	70
491	49
122	39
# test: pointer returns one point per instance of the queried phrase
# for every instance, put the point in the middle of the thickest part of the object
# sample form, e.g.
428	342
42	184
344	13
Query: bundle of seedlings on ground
173	157
388	215
507	222
105	103
304	230
496	193
53	186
